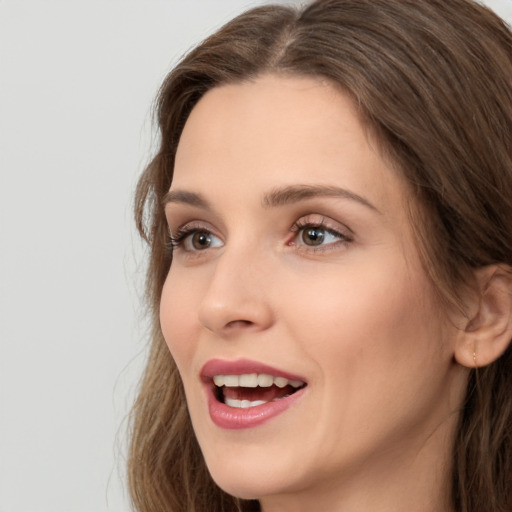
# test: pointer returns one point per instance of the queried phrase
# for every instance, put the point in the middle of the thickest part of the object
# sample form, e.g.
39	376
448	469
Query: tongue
253	394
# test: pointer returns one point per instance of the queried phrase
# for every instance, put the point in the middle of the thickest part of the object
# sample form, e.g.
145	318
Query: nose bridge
237	295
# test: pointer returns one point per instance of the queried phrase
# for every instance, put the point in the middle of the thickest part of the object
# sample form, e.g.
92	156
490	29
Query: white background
77	79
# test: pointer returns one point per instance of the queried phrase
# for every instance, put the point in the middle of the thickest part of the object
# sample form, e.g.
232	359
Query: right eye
193	240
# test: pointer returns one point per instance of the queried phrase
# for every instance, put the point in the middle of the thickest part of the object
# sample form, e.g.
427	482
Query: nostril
239	323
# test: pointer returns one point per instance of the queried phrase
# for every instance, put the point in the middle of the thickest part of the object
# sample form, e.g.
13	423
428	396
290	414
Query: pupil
313	236
201	240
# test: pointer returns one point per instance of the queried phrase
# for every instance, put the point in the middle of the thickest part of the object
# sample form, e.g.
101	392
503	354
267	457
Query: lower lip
237	418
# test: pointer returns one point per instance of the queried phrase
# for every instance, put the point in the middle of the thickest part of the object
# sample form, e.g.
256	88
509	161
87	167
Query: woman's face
295	274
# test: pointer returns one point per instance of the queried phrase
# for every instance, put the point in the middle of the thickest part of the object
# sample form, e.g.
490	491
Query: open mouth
253	389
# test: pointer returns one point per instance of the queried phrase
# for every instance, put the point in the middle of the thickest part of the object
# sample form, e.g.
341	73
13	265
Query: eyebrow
297	193
275	198
184	197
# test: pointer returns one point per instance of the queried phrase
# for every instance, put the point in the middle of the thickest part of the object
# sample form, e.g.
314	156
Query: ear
488	331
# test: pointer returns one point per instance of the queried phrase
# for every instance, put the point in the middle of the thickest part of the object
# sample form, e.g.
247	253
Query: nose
237	295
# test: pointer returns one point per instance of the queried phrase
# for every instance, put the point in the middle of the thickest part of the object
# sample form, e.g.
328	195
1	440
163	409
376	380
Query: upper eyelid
178	216
323	221
192	225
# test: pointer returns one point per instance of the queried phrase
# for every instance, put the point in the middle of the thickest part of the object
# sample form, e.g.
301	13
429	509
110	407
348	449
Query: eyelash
183	233
307	222
177	241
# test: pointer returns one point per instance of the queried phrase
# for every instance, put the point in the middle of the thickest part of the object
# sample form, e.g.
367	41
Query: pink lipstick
245	394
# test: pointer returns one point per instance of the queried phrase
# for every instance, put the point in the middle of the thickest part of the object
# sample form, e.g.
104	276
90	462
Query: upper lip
241	367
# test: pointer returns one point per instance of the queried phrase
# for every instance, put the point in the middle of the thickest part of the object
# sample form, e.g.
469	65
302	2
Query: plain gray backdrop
77	79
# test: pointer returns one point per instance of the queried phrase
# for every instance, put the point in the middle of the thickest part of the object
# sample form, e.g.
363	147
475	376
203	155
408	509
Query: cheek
372	333
375	345
358	306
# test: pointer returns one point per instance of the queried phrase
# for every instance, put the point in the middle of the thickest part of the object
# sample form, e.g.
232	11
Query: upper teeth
253	380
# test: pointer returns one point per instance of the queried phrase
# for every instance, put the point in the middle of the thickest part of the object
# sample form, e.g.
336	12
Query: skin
356	315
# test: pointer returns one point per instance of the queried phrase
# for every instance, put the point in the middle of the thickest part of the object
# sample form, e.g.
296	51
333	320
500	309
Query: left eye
317	235
198	240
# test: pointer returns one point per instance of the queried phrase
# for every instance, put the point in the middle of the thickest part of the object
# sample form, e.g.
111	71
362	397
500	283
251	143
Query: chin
253	473
249	485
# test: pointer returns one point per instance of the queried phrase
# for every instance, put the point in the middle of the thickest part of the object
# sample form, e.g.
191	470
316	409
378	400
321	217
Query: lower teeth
243	404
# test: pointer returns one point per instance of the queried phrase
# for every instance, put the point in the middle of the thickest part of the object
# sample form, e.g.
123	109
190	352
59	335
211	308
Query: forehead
278	131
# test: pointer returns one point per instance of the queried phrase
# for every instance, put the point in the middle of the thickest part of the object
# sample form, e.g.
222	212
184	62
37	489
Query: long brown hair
432	79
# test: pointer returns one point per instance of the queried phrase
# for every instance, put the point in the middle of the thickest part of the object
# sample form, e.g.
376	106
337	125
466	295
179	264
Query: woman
334	188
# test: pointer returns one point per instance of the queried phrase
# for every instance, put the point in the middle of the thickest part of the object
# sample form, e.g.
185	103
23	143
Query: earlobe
488	331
